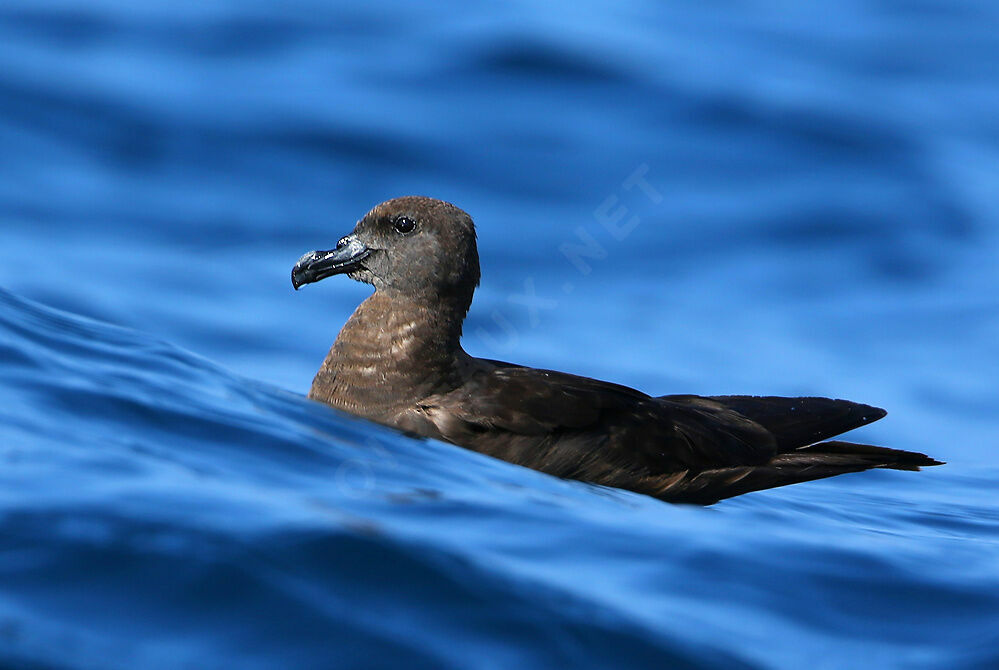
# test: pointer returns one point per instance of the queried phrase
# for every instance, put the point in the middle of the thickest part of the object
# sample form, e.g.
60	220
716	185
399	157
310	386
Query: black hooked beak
317	265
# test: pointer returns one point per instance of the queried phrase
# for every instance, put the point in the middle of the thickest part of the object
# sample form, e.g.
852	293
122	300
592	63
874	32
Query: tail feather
798	422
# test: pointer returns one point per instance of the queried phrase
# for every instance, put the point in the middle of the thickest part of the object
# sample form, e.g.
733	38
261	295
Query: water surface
777	201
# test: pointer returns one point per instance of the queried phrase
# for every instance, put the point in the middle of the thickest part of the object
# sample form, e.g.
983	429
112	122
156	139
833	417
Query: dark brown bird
398	361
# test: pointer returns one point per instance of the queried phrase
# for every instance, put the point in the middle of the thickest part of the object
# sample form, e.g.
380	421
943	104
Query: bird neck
391	352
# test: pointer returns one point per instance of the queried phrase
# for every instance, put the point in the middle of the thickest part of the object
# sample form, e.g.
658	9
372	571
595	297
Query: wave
159	511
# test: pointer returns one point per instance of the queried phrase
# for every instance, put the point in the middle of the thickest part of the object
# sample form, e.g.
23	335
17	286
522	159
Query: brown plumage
398	361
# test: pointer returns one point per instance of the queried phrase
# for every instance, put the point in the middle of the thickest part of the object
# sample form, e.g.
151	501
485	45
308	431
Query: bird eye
404	225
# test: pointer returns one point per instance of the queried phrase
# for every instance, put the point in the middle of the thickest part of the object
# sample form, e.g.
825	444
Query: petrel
398	361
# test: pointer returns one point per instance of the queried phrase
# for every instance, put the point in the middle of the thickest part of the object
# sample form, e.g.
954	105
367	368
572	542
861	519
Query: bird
398	361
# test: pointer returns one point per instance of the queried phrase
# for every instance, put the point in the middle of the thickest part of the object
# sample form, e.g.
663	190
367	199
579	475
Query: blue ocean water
770	198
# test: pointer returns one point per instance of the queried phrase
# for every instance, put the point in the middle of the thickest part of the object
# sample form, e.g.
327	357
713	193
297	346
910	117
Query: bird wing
520	413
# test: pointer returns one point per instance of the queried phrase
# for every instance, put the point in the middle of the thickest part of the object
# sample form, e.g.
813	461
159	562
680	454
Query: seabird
398	361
